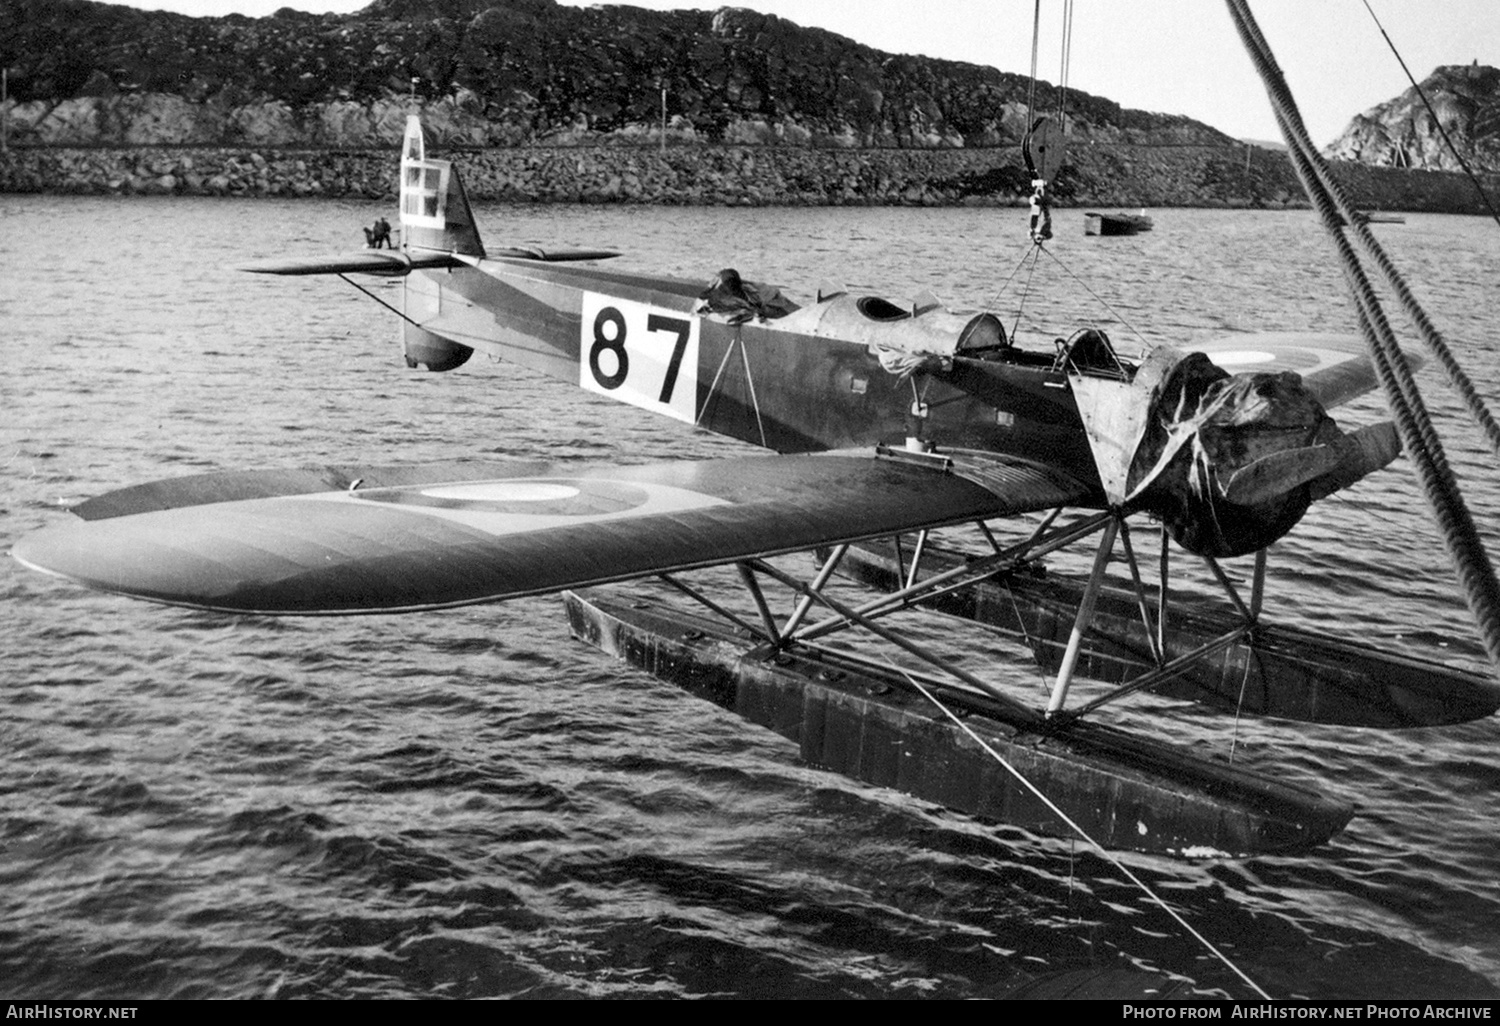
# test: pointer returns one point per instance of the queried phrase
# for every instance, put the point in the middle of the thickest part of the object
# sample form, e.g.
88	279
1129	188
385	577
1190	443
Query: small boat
1381	217
1119	223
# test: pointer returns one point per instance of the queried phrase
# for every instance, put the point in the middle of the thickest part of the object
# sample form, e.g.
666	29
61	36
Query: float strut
916	560
1015	712
748	576
1258	587
825	572
1084	618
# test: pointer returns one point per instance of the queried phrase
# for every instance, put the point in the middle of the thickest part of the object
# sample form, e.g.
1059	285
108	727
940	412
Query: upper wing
1335	368
271	544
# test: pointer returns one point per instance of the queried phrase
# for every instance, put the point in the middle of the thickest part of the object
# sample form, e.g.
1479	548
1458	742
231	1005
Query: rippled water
468	803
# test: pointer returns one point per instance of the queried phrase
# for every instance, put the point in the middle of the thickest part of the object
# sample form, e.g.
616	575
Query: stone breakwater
1097	175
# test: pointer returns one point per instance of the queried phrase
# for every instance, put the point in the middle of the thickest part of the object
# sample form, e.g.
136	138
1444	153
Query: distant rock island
607	103
1402	132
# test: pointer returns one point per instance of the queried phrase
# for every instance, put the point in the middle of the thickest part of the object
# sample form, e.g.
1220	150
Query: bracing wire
1088	839
1422	94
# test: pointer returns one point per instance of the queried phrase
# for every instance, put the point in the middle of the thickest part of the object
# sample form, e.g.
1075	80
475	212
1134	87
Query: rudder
435	210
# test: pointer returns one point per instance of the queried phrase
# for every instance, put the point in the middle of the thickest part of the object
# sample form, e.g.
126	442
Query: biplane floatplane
889	420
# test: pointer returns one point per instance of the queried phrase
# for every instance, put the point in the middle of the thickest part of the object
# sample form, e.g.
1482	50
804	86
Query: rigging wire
1000	289
1473	178
1099	299
1060	814
1025	287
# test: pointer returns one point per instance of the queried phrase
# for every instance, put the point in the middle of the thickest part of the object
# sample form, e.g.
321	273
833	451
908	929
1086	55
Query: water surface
468	803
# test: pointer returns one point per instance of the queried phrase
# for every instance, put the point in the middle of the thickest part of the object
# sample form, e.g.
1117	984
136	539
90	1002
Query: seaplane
888	426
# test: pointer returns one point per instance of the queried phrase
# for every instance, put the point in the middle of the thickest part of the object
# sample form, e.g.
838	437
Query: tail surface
435	211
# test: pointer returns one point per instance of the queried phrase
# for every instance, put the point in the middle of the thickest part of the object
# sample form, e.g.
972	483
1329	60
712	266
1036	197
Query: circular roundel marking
1301	359
503	491
1240	357
575	497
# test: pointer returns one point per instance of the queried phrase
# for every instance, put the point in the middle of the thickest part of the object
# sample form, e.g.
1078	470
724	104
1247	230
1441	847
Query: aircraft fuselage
779	383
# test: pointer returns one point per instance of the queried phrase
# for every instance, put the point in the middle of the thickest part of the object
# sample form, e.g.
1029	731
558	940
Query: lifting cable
1475	572
1064	65
1036	34
1422	95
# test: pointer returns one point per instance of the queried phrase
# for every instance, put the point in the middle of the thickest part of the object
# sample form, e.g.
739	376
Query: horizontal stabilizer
452	540
552	256
389	263
396	263
1334	368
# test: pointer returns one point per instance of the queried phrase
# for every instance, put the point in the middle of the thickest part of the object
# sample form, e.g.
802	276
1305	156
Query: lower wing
288	543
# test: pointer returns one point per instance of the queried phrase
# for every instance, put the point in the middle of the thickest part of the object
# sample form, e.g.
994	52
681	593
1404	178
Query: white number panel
640	354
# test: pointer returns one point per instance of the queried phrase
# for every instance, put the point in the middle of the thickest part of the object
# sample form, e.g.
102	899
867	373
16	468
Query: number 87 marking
644	345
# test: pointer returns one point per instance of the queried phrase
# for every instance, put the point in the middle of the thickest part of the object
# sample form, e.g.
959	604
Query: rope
1286	108
1458	380
1060	814
1475	573
1483	196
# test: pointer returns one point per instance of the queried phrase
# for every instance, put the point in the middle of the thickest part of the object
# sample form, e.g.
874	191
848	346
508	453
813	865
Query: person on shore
378	235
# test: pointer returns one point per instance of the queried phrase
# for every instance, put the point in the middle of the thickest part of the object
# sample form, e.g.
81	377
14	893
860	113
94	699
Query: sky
1170	56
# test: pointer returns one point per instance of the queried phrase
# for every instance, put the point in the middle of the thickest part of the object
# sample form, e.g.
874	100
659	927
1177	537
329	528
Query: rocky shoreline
1096	175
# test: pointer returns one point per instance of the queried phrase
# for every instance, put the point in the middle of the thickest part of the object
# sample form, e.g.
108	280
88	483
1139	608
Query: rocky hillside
1402	133
565	104
507	72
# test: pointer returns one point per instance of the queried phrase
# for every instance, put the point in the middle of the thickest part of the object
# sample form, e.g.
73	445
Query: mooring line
1080	831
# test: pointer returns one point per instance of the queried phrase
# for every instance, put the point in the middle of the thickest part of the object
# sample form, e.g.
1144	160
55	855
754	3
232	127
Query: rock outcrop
1403	133
506	73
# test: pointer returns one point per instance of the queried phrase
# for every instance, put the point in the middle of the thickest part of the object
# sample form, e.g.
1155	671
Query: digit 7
659	322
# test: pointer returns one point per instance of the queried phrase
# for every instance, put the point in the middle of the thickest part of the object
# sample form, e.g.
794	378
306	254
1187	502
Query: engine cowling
1206	427
1229	462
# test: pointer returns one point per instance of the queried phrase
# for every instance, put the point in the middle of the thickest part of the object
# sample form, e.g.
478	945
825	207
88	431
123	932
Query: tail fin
435	211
